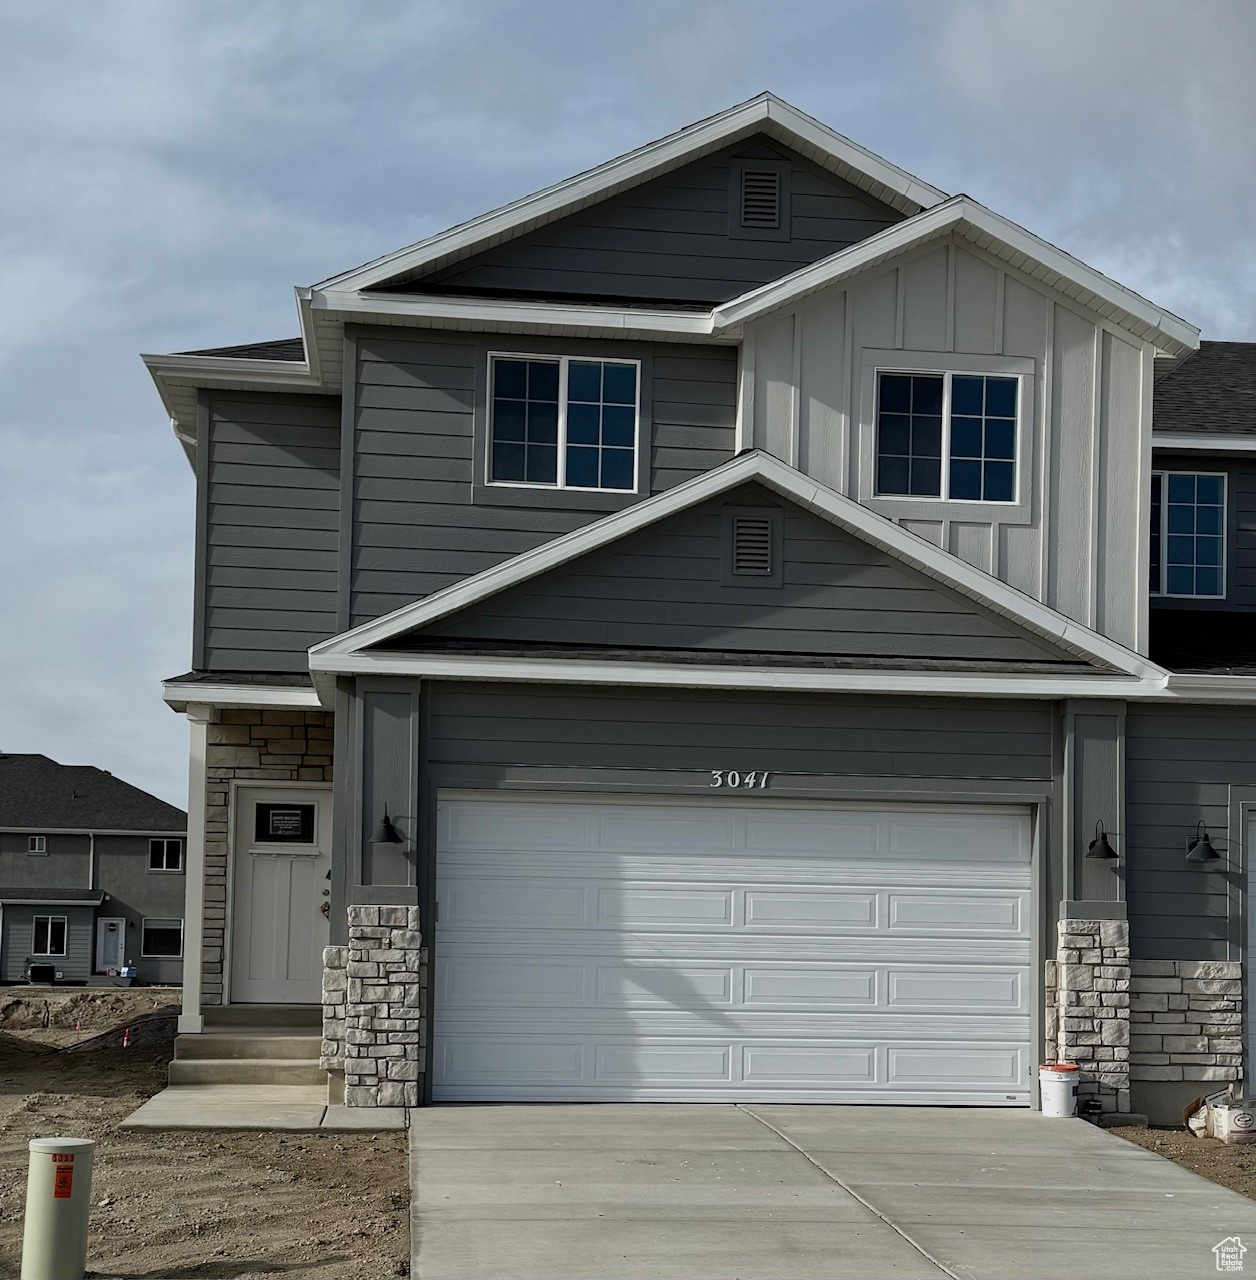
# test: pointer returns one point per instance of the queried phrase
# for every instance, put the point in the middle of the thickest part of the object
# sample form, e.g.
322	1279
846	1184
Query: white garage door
731	950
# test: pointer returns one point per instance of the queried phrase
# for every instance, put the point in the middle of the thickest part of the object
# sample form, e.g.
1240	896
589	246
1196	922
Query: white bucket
1057	1082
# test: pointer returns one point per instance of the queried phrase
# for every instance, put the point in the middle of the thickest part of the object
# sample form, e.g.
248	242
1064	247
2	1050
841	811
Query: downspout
91	860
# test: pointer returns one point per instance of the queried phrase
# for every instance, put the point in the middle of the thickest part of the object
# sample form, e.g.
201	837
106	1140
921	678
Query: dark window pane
617	469
926	394
1208	489
926	437
1001	397
619	384
542	464
965	479
895	393
582	467
510	418
926	477
1181	581
1000	438
619	424
1208	552
1208	520
894	434
1000	481
508	460
965	437
1181	549
1208	582
542	423
966	396
584	381
542	380
583	426
1181	488
1181	518
510	378
893	475
1154	584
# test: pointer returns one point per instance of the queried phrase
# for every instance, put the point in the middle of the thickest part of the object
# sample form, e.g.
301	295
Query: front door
110	943
282	867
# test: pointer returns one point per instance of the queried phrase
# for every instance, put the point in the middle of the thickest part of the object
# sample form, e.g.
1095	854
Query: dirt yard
207	1206
1230	1165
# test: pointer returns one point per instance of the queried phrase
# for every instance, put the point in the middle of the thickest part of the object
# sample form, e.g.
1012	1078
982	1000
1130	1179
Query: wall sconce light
1199	847
386	833
1099	846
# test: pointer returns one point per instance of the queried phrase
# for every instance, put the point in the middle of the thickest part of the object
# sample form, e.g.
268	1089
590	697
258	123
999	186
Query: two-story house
91	876
714	600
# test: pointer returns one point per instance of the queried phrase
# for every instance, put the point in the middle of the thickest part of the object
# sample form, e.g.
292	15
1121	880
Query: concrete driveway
800	1193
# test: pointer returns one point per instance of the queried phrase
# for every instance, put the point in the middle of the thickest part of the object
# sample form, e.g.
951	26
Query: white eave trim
841	511
783	121
1200	687
179	696
1214	442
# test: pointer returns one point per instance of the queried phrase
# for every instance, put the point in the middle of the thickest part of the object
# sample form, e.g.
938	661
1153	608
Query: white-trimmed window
37	844
947	435
563	422
1188	534
165	855
161	939
48	936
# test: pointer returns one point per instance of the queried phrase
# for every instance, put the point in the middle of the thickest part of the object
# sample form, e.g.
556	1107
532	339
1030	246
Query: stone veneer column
375	1008
1088	1014
1186	1021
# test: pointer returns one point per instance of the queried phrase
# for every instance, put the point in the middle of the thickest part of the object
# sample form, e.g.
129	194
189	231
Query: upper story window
946	435
37	844
563	422
1188	534
165	855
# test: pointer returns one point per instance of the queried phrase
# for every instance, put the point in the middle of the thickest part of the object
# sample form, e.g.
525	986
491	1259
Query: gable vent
752	545
761	198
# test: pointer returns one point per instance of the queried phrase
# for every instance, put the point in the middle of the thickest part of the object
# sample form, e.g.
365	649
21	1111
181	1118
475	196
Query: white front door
732	950
110	943
281	868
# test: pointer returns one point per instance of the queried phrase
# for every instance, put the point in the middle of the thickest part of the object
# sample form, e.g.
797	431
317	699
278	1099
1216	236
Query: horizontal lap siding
1180	766
271	535
19	931
415	527
892	738
668	239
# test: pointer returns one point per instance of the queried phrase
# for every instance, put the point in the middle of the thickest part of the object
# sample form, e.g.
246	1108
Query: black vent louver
761	198
752	546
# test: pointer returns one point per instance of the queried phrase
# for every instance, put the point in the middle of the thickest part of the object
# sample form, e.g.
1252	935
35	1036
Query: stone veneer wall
1186	1020
375	1008
254	746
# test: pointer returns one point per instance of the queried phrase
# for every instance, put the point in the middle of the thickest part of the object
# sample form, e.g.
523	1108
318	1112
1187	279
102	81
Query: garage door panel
818	908
991	990
922	914
645	1064
950	1066
644	906
827	987
674	985
809	1066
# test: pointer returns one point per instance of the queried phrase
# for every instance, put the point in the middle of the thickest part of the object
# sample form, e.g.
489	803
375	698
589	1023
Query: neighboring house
91	876
714	591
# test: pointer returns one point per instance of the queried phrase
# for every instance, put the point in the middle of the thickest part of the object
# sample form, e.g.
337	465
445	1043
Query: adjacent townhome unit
740	623
91	877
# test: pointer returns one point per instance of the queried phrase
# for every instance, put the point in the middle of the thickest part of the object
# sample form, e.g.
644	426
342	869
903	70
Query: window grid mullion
563	372
944	480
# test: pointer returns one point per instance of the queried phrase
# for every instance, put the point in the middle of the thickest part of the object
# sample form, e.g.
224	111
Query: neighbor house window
37	844
165	855
947	435
1188	534
563	422
49	939
162	939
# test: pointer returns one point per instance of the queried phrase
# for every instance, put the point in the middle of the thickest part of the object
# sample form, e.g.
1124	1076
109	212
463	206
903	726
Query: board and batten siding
668	239
1185	765
1079	544
18	925
269	529
415	525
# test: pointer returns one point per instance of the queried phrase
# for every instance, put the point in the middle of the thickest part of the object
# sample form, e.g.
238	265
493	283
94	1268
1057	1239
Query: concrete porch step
268	1016
277	1071
294	1043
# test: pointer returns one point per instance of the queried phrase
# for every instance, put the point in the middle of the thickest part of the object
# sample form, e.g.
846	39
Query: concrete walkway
290	1108
686	1192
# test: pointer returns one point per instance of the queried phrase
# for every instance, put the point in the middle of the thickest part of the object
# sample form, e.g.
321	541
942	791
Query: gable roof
339	653
38	794
1212	393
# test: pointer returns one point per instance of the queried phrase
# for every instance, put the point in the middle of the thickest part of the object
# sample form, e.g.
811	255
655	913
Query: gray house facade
92	877
724	627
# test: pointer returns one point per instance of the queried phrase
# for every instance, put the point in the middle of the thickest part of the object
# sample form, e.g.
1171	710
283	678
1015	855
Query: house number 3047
738	781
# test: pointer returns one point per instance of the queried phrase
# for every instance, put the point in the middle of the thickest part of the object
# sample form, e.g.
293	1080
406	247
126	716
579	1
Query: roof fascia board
54	902
179	696
635	167
283	374
1213	442
1202	687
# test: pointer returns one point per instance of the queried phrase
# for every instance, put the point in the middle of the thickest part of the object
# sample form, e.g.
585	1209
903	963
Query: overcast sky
172	169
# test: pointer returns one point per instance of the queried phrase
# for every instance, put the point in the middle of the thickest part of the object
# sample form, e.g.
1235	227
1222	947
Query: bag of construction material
1196	1115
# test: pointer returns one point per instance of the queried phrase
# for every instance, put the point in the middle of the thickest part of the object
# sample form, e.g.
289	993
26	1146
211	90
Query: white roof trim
829	505
786	123
1214	442
965	216
179	696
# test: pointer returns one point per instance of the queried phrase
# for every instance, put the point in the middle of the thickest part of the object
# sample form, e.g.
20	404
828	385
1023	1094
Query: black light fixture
1199	847
1099	846
386	833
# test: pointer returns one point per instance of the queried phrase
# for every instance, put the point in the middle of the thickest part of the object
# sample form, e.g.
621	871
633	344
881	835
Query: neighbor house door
110	943
281	867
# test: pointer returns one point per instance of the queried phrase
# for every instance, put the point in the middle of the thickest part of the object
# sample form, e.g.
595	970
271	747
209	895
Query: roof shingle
38	794
1212	392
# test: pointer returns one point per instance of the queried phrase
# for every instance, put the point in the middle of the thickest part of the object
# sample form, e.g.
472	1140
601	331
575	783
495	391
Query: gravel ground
206	1206
1231	1165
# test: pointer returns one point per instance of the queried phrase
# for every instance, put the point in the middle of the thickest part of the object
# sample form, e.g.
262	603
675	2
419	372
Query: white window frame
65	937
165	841
145	921
37	845
1164	473
563	362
